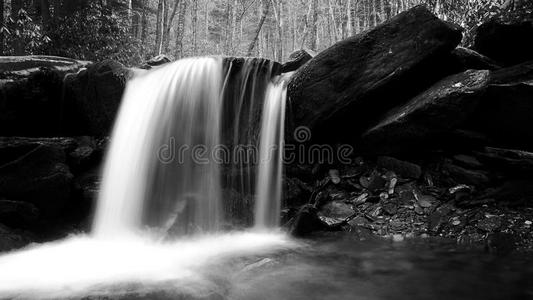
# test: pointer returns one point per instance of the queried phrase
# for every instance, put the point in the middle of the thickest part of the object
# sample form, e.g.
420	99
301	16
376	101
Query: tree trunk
180	29
313	26
18	43
159	27
1	26
265	5
194	13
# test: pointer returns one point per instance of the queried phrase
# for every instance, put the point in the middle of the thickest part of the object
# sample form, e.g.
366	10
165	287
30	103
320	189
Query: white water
269	185
148	183
173	107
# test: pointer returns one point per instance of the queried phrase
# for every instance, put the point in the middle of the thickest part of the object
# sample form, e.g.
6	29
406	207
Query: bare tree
265	5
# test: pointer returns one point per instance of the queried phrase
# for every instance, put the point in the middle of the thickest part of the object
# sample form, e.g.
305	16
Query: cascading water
151	176
159	173
268	186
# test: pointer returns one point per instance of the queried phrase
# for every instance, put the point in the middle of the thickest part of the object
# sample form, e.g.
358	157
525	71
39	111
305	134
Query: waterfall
160	175
160	172
151	177
269	184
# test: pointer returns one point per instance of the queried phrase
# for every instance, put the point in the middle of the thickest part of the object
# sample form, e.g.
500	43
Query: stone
295	192
404	169
336	209
489	224
504	114
351	83
466	176
419	123
31	91
93	97
297	59
462	59
36	173
18	214
306	222
11	239
156	61
505	42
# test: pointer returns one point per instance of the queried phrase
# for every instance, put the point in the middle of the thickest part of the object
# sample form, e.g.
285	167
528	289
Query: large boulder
344	88
505	113
37	173
508	42
93	97
31	91
297	59
422	121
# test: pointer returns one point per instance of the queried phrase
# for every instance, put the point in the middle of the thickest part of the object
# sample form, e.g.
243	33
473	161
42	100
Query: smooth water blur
264	266
268	186
151	177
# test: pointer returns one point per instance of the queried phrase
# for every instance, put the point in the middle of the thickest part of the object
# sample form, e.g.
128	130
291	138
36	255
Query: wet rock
374	182
505	42
295	192
297	59
504	115
513	192
509	160
239	94
462	59
156	62
490	224
31	91
93	97
440	109
466	176
337	210
402	168
18	214
37	174
351	83
468	161
13	239
306	222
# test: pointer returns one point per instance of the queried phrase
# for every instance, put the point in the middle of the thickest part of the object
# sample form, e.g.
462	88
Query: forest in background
132	31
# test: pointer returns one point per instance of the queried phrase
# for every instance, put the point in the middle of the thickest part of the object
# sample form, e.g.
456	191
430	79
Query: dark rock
462	59
440	109
374	182
468	161
37	174
296	192
297	59
402	168
156	61
239	94
31	91
358	79
306	222
513	192
93	97
512	161
505	113
506	42
336	210
13	239
490	224
18	214
24	66
462	175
